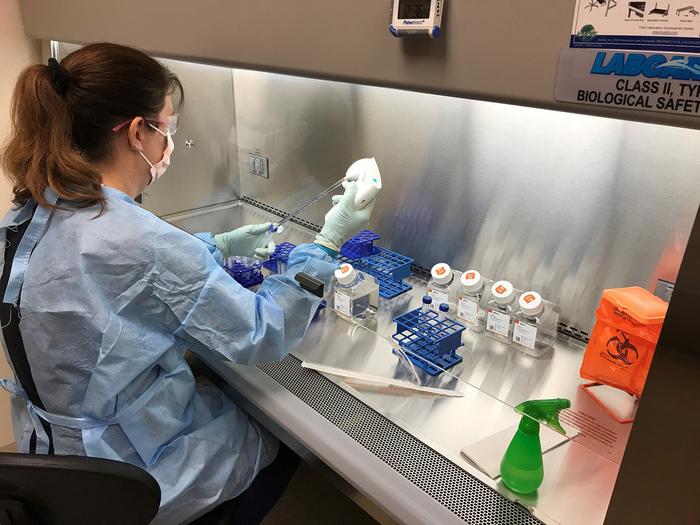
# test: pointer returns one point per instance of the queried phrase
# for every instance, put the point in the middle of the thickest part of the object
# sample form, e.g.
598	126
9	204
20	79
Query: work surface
579	474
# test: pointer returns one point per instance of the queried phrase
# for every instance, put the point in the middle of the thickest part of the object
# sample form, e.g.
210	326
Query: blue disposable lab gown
109	305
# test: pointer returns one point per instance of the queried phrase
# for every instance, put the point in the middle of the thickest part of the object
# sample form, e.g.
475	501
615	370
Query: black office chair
76	490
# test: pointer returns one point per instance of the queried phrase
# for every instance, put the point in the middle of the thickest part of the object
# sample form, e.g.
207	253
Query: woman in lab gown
102	298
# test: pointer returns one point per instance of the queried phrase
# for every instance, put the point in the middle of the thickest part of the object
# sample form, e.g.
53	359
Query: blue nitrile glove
254	240
343	220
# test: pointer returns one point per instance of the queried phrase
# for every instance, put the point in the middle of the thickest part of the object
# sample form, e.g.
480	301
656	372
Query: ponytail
63	116
40	152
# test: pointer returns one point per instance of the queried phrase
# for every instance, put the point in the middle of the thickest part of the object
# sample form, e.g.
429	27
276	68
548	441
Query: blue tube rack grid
431	342
389	287
247	274
359	246
389	264
280	255
389	268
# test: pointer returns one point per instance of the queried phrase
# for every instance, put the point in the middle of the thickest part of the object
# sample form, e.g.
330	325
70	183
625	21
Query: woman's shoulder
127	223
119	218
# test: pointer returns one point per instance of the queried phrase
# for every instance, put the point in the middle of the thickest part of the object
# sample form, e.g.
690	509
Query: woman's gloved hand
343	220
254	240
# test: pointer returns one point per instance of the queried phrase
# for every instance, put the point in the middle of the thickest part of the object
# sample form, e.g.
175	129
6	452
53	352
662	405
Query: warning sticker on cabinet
672	26
665	82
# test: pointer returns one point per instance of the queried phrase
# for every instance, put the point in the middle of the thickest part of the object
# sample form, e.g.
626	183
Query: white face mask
158	169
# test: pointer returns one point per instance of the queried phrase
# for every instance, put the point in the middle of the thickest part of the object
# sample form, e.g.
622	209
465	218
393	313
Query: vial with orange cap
356	293
442	286
500	312
535	325
472	297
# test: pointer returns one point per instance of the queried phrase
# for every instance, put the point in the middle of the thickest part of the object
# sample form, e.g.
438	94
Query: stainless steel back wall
206	171
562	203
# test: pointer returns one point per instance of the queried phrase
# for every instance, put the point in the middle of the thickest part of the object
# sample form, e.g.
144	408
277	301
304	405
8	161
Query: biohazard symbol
620	348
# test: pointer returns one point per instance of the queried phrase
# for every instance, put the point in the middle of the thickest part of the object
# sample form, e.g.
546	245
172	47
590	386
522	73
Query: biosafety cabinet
500	151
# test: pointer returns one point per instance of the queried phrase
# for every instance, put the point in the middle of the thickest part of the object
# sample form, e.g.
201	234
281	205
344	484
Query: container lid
442	273
427	299
531	303
638	303
444	307
346	274
503	292
471	281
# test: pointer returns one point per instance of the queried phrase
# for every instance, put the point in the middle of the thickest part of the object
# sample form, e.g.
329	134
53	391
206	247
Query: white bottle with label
535	326
499	312
442	286
356	294
471	300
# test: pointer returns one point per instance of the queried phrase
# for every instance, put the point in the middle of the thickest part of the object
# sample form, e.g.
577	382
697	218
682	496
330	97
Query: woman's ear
136	130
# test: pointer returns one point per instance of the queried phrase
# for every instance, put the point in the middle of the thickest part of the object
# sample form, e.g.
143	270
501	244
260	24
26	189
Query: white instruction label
524	334
468	310
342	303
660	26
439	297
498	323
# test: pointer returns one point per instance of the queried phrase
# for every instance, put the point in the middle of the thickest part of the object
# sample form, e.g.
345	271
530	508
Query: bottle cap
444	307
471	281
503	292
346	274
442	273
531	303
427	299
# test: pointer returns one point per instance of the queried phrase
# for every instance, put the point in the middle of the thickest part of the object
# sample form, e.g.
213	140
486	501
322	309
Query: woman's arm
214	312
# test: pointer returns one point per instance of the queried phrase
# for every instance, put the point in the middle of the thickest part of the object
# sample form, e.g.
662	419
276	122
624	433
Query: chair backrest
46	490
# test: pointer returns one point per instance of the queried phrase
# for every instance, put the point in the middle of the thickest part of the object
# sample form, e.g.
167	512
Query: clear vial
443	311
472	297
425	307
535	325
356	294
442	286
499	312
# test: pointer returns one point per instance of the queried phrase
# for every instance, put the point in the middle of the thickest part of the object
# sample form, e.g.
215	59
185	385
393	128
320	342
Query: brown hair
63	114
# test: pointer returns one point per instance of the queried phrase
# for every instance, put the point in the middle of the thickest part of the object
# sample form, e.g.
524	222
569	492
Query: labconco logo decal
650	66
412	22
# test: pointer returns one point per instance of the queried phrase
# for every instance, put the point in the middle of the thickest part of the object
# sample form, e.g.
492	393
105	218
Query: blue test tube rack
279	257
359	246
431	342
386	263
389	268
247	274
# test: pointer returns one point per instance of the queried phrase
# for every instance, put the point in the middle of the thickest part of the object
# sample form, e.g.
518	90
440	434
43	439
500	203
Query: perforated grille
458	491
573	332
276	211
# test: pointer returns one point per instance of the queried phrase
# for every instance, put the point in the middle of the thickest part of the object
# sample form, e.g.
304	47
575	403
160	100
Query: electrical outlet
258	165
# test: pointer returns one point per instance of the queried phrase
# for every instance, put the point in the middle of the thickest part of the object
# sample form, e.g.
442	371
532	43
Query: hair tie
59	76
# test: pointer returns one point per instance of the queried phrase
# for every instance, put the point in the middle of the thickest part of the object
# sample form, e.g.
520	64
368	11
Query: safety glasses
170	123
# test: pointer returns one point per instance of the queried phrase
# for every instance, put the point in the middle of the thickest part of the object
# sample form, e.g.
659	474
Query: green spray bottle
522	470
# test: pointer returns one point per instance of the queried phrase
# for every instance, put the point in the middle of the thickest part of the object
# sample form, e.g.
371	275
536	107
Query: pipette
276	227
364	172
369	181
